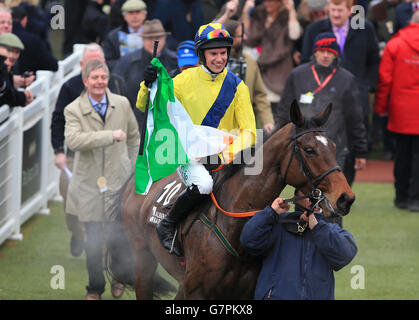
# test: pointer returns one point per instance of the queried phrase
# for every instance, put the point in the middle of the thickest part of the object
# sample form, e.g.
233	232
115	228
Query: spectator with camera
8	94
16	46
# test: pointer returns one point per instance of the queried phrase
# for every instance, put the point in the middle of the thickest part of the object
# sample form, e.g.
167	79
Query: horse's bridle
315	195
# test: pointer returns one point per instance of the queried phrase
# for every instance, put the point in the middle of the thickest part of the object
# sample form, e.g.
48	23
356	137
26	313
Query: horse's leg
180	293
145	267
145	264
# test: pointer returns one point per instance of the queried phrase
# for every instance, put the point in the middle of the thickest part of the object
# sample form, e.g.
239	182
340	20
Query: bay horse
215	266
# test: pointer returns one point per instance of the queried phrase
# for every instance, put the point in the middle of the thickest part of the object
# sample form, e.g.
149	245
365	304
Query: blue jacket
296	267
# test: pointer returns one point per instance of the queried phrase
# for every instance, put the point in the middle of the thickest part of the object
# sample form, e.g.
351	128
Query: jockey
213	96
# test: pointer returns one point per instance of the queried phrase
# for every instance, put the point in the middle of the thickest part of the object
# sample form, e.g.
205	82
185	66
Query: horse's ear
321	118
295	114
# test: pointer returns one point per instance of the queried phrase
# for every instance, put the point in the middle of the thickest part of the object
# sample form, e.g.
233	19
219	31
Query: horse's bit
316	195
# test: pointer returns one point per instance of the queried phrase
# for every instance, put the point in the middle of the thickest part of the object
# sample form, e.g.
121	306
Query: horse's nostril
344	203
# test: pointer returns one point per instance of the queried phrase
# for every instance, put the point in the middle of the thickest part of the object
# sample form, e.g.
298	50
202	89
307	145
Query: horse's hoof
117	289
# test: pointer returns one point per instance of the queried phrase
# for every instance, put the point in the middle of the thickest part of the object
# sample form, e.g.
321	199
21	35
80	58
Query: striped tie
100	108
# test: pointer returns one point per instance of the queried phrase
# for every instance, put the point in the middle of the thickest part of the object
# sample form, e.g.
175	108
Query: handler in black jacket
320	82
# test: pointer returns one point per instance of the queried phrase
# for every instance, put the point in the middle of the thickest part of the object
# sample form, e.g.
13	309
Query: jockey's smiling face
216	59
96	83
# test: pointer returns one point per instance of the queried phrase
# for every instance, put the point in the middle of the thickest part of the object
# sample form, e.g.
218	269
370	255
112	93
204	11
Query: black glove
211	162
150	75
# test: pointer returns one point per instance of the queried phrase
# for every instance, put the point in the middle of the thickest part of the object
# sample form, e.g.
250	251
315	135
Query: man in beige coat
102	131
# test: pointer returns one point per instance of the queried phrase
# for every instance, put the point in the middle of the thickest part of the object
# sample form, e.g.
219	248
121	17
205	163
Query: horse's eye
309	150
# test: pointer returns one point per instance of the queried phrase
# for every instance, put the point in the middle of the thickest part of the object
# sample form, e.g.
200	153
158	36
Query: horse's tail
119	259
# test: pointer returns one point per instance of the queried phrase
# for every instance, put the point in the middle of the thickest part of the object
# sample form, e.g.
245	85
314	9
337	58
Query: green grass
387	239
388	247
26	266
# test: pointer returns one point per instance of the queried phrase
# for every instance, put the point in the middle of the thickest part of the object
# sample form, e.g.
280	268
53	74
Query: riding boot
167	227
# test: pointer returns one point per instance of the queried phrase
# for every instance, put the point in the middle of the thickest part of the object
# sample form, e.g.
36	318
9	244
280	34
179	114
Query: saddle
164	200
163	203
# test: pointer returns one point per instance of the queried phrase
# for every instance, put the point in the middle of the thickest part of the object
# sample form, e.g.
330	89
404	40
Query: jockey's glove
150	75
216	160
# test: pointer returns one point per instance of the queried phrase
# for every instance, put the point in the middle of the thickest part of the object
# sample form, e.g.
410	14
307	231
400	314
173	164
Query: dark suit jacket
36	55
10	95
361	55
94	24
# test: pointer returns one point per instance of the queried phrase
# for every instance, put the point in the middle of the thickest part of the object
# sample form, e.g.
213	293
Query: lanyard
325	82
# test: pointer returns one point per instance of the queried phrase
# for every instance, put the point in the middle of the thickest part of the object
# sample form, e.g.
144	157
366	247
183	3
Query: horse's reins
315	195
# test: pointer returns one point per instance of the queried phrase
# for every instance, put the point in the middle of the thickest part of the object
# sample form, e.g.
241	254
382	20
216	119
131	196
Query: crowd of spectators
280	33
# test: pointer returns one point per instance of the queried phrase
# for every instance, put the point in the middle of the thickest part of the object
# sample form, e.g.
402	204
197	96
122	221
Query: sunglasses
219	33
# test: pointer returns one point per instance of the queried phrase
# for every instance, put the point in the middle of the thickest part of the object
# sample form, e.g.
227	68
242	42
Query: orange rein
233	214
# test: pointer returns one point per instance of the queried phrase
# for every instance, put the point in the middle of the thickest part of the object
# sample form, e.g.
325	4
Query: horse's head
312	162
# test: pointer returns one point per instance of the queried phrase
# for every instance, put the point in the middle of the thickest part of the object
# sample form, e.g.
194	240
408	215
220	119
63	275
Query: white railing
28	177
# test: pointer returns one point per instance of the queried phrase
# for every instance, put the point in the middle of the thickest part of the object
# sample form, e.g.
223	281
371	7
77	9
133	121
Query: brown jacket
96	154
275	60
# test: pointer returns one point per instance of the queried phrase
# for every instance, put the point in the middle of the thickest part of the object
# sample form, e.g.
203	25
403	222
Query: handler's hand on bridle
311	219
280	206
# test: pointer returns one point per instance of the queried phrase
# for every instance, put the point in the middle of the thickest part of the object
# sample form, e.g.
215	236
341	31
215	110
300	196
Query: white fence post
28	176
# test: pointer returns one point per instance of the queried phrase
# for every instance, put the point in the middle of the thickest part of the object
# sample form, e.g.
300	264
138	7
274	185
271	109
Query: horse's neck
255	191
